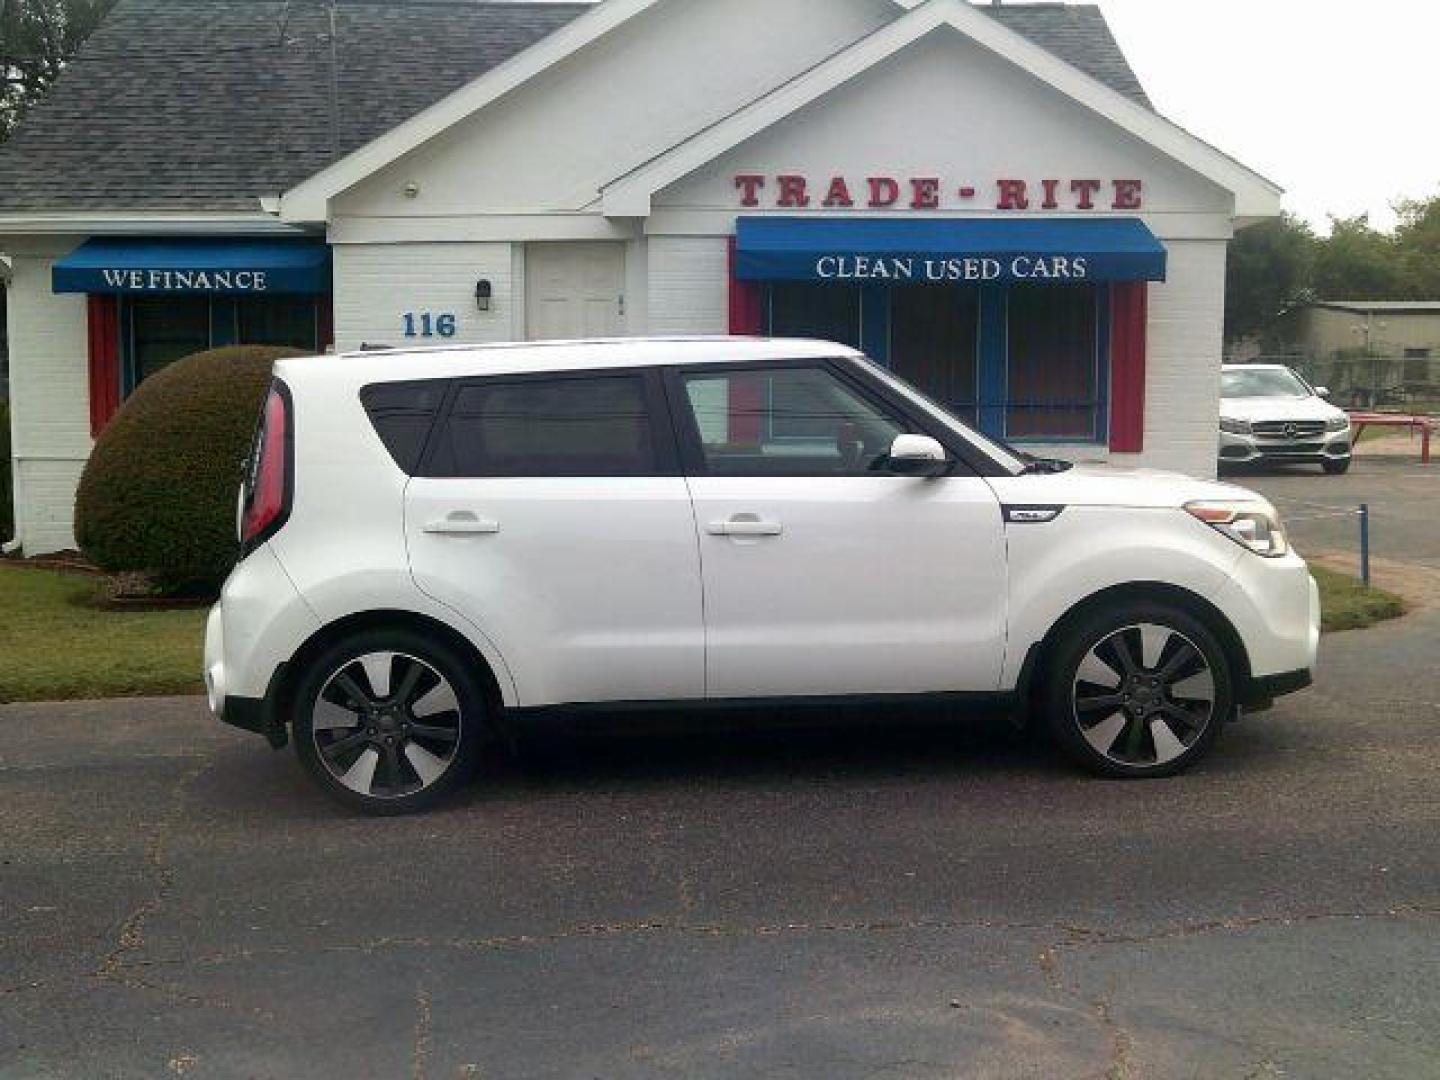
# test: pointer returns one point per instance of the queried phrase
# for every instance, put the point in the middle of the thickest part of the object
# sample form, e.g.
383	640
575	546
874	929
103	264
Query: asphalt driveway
176	900
1401	493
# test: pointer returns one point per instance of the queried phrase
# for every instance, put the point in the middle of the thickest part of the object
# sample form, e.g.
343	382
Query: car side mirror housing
1322	391
916	455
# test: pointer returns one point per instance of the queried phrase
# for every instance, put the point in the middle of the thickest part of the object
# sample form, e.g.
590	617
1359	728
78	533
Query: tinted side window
565	426
786	421
403	413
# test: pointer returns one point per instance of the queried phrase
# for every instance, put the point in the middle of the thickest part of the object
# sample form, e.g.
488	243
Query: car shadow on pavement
845	749
850	741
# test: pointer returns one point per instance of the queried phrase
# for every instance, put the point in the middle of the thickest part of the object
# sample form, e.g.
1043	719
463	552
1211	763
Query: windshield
1262	382
1007	457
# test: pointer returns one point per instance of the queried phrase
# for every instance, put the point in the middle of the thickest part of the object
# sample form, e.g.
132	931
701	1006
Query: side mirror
916	455
1322	391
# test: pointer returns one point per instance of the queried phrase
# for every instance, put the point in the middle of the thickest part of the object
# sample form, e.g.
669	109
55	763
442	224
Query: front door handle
462	523
744	525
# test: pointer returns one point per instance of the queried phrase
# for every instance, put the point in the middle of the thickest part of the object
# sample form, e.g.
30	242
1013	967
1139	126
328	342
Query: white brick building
981	197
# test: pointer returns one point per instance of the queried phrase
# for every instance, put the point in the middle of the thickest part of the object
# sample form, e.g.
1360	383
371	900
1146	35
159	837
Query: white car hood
1277	408
1105	485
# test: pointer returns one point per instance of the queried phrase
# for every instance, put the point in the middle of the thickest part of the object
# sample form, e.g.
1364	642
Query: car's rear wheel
1336	467
388	722
1139	690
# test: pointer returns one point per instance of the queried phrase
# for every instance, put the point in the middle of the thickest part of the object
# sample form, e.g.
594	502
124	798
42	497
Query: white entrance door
574	290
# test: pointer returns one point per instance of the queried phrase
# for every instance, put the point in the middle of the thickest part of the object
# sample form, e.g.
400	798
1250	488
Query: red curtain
104	338
1128	316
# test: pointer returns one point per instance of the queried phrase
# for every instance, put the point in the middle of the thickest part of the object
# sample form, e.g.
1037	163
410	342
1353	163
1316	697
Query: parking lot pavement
175	899
1402	495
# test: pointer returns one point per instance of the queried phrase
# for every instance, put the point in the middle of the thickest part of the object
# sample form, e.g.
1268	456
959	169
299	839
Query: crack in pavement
113	967
1122	1067
132	928
420	1051
1073	936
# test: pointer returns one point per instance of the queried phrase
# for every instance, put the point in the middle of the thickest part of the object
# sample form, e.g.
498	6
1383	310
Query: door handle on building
744	525
462	523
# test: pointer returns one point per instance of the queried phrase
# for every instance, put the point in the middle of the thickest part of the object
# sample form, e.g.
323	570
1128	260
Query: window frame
966	459
662	434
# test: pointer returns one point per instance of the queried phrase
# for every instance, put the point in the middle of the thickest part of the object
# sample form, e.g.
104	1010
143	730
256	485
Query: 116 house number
426	324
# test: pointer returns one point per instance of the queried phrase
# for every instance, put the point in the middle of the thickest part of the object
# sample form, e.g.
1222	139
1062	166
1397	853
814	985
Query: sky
1335	102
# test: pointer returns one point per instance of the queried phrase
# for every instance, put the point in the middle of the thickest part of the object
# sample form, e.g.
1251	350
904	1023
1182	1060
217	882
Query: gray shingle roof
209	104
1079	35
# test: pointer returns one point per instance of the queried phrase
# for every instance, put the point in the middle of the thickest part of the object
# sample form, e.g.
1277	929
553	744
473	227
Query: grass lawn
54	645
1345	604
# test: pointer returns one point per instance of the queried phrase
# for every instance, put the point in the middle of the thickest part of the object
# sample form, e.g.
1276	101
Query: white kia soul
439	543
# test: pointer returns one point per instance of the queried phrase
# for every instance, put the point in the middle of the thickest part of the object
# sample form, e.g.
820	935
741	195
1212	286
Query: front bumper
1261	693
1302	449
1274	607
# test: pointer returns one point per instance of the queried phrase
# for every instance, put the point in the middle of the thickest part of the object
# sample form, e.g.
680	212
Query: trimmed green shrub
158	493
7	483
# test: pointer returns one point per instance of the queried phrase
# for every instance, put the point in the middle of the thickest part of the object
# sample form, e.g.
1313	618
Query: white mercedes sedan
1268	413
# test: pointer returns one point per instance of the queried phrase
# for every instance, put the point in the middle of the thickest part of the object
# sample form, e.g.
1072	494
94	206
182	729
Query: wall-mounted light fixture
483	292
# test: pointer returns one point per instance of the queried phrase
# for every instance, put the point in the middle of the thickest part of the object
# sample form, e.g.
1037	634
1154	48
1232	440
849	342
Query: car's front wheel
1336	466
1138	690
388	722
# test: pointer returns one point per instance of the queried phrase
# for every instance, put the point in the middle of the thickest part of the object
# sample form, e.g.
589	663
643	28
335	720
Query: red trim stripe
747	310
1128	317
103	326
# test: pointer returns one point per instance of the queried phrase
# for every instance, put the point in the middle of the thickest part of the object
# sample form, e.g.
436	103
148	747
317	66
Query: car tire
1137	690
1335	468
388	721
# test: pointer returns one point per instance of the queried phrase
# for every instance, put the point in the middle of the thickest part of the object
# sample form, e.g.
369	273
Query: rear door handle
462	523
744	525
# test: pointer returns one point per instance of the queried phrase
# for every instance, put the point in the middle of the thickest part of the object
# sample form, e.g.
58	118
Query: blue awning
953	250
155	266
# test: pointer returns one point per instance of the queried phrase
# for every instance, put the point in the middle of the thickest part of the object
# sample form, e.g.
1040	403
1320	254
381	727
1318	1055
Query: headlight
1337	423
1235	427
1251	525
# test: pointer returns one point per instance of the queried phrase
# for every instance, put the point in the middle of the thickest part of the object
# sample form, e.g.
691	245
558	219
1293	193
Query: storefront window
1052	374
158	330
276	320
163	329
807	309
934	337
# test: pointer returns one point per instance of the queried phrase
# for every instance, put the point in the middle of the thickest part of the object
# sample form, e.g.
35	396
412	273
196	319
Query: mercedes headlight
1234	427
1337	423
1251	525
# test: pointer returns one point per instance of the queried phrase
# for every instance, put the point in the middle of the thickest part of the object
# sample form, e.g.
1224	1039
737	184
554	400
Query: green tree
1268	272
1358	262
37	38
1417	238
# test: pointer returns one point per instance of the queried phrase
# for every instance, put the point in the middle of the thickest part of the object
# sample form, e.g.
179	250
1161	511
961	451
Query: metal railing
1299	511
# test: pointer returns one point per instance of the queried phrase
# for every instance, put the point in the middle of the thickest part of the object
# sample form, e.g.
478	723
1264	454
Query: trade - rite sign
789	191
